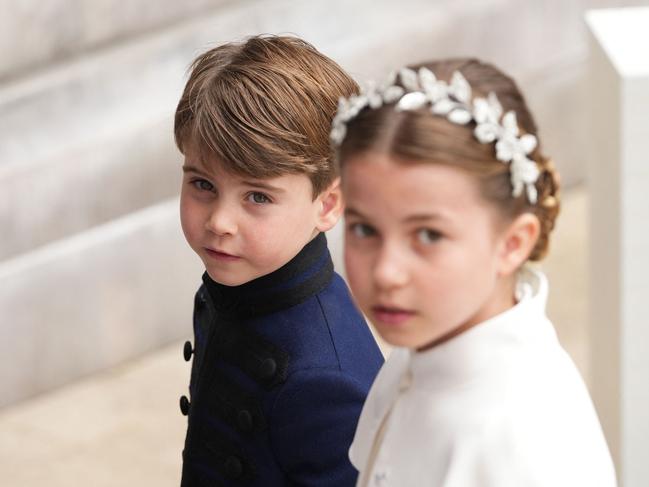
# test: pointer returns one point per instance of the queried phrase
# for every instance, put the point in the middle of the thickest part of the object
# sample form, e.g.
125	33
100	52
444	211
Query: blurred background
96	281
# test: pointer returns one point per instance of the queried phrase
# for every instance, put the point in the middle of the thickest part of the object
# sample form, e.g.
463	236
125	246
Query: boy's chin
233	279
228	280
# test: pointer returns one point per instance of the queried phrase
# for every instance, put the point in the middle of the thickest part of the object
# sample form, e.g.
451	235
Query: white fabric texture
500	405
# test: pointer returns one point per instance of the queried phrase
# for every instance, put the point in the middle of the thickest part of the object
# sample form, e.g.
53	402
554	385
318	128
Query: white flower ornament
453	101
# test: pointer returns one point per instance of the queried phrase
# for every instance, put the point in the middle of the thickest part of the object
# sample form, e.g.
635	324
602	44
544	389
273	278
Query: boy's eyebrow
262	185
252	183
189	168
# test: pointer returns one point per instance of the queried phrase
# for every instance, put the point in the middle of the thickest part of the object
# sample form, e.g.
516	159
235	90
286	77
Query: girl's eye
258	198
202	184
361	230
428	236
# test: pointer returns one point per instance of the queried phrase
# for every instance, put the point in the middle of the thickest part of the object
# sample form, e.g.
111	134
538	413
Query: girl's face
423	250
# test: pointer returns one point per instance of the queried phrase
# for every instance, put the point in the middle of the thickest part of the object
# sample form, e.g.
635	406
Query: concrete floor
123	427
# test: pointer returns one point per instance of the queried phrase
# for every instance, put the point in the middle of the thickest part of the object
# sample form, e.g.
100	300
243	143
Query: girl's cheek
357	267
349	255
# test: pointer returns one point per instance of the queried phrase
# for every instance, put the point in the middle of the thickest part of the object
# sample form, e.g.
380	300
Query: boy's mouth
392	315
220	255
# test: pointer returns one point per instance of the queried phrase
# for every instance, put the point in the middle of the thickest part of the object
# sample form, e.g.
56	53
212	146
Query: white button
381	479
406	381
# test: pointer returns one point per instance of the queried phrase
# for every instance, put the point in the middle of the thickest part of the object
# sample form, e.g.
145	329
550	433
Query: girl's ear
330	206
518	242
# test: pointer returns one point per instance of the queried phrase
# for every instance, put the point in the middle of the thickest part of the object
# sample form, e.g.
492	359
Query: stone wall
93	267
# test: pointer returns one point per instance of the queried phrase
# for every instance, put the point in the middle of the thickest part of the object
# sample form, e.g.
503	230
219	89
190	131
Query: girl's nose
222	220
390	269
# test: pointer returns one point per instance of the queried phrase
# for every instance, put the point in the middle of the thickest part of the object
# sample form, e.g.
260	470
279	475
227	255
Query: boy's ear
331	206
518	242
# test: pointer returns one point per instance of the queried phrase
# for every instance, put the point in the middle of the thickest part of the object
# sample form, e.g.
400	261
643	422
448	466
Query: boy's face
244	228
422	249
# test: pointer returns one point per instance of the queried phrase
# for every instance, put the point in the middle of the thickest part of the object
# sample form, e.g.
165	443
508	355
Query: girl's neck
502	299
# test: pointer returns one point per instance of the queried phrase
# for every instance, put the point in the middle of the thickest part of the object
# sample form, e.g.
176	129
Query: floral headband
452	100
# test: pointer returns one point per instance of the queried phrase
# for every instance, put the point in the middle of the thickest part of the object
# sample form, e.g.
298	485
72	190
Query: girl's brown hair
263	108
420	136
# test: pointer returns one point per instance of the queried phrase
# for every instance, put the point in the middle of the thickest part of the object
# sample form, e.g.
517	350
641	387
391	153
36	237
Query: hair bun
548	207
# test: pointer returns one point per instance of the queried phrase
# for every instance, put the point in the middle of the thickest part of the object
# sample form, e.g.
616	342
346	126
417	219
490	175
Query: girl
448	196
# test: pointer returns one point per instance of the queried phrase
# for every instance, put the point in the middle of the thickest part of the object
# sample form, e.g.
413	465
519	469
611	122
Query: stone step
94	300
85	187
41	34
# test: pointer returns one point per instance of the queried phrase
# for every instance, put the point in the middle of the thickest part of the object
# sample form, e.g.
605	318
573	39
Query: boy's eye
258	198
202	185
361	230
428	236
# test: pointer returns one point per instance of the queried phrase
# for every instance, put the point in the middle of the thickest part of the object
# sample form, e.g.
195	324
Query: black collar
300	278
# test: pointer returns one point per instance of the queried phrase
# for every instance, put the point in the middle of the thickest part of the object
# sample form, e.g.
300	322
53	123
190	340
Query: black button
267	368
187	351
200	300
184	405
244	420
233	467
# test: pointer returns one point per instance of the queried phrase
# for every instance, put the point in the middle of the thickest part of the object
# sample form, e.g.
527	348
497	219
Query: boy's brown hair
263	108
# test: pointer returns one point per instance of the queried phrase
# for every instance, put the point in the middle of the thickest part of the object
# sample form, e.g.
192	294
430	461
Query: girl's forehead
404	191
408	178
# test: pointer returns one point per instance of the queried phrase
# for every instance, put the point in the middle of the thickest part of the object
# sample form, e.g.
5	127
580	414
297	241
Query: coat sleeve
312	426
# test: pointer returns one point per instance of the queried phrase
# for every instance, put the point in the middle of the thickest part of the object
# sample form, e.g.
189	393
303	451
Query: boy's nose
221	222
390	270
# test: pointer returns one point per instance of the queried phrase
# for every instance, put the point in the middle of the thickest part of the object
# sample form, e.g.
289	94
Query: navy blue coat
281	367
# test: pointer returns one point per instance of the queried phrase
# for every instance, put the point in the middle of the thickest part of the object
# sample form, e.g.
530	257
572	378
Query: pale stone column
619	226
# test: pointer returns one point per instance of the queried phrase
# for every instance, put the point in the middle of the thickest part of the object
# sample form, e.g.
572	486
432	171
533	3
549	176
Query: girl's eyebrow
418	217
352	212
424	217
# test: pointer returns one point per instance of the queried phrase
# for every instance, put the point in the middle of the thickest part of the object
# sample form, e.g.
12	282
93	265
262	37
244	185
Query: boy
282	358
